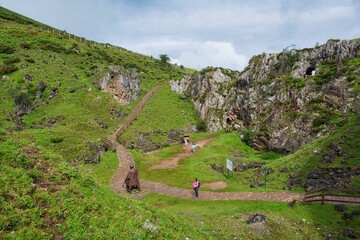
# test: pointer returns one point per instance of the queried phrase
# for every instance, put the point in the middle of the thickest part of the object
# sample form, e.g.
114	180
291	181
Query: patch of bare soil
173	161
215	185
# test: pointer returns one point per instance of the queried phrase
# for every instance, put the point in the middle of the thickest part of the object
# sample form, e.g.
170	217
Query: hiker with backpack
196	186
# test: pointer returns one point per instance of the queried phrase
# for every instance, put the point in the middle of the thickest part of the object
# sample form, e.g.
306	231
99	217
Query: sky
200	33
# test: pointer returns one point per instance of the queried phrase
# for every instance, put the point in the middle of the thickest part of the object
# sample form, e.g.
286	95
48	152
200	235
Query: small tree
164	58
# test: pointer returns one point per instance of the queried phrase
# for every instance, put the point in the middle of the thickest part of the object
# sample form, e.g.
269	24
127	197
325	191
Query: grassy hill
47	192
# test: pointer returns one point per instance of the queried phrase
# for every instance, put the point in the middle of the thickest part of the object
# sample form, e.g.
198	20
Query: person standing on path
196	186
193	146
132	179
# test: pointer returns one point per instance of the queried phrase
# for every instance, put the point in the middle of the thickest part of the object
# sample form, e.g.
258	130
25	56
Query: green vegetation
230	146
163	113
199	164
164	58
47	192
227	219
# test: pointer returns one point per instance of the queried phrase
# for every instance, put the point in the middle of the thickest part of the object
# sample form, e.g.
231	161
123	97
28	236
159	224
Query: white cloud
215	54
195	54
203	32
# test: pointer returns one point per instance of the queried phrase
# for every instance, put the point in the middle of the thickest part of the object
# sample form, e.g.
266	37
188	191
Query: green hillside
44	193
53	117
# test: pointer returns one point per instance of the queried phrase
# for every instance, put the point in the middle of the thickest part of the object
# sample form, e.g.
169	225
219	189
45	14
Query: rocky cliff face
286	99
122	83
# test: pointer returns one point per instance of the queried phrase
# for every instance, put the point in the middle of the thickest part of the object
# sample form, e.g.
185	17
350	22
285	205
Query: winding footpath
125	159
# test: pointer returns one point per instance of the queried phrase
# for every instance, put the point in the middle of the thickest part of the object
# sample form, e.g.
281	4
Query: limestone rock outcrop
123	84
287	99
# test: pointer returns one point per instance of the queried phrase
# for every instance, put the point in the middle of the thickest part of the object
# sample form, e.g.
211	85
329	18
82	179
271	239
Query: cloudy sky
200	33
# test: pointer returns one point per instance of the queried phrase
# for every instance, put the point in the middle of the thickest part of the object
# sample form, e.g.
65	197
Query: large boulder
122	83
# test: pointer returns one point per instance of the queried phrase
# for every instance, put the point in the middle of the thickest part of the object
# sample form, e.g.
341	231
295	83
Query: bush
248	136
11	60
6	49
56	140
201	126
25	45
30	60
51	46
6	69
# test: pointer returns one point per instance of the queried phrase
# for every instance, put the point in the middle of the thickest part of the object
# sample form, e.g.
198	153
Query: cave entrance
310	71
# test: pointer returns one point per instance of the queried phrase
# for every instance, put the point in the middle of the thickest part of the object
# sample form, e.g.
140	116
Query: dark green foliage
51	46
6	69
30	60
327	117
327	72
164	58
25	45
201	126
22	99
248	136
292	82
56	140
6	49
11	60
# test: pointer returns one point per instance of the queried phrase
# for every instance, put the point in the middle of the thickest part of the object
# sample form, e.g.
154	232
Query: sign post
229	166
265	172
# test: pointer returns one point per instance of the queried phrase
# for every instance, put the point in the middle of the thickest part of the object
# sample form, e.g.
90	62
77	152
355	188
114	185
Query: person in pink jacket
196	185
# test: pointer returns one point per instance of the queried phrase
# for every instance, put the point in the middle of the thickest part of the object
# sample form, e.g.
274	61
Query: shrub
6	69
248	136
25	45
30	60
201	126
11	60
51	46
56	140
6	49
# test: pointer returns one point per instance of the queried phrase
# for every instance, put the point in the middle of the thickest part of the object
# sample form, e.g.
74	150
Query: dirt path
125	159
172	162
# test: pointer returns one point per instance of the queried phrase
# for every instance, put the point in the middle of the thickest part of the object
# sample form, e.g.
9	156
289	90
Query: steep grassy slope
227	219
164	115
45	194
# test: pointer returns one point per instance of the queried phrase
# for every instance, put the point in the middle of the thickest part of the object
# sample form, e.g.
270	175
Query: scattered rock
330	177
285	170
331	154
351	233
317	151
294	175
101	124
246	166
256	218
220	169
19	123
150	227
350	216
73	90
340	208
4	78
53	93
292	203
28	77
93	158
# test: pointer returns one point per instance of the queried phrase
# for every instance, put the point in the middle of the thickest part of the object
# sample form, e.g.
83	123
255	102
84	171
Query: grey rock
123	84
256	218
256	98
